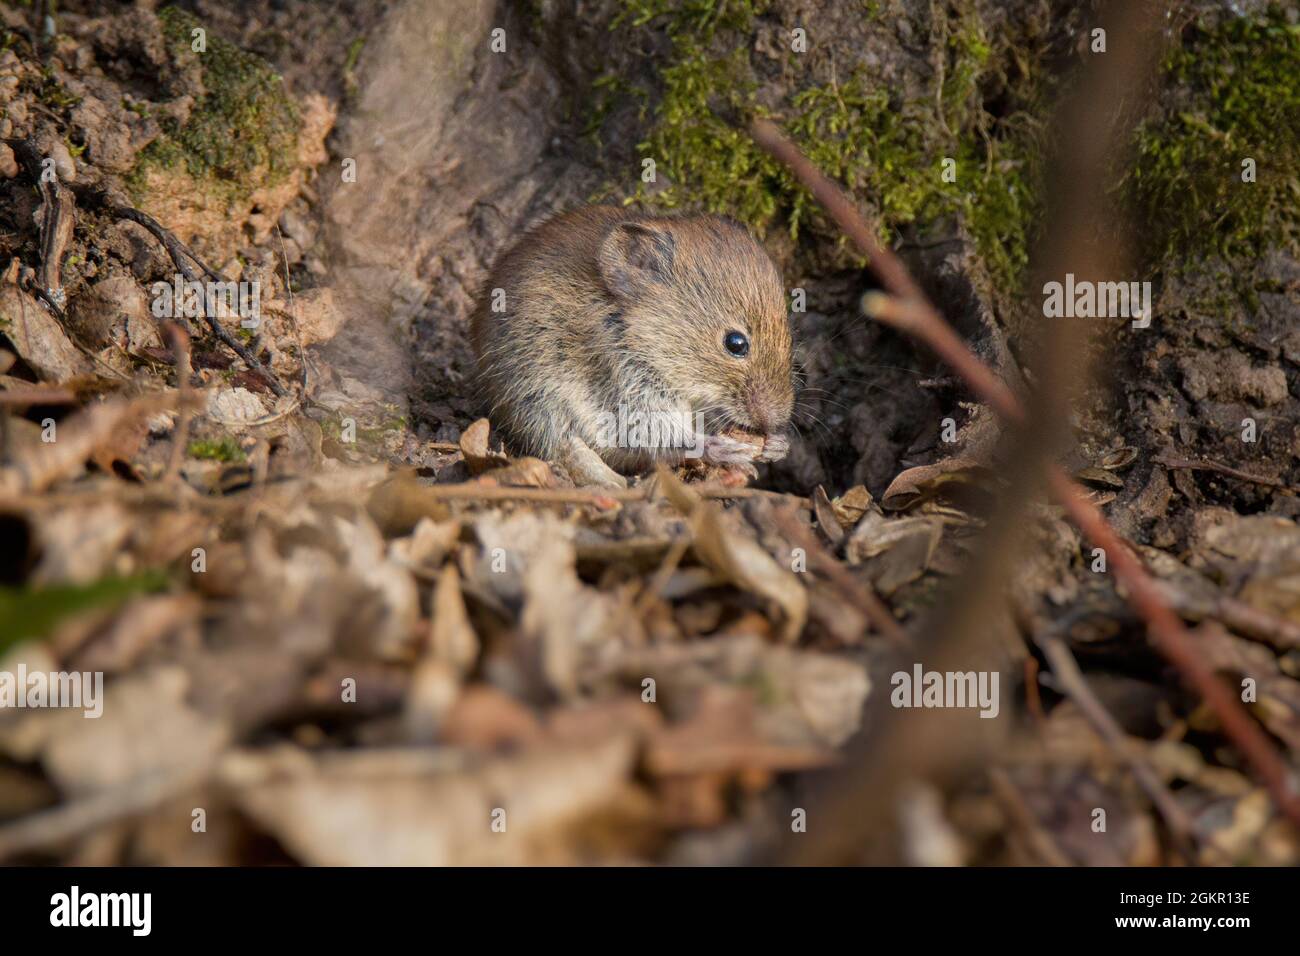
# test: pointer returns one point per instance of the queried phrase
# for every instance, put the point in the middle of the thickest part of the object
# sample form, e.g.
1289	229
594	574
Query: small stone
64	165
235	406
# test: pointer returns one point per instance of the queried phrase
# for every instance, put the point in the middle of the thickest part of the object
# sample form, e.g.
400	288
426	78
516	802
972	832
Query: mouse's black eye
736	343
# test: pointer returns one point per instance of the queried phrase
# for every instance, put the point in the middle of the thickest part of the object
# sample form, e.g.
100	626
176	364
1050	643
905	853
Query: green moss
363	435
705	160
222	449
243	131
887	153
1236	98
1003	205
31	614
967	61
856	137
53	94
701	18
350	66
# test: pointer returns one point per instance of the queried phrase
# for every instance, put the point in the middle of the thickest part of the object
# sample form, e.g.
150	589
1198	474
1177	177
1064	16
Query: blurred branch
1079	213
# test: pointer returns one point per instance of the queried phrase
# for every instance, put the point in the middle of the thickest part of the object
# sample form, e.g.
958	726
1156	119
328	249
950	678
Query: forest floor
338	622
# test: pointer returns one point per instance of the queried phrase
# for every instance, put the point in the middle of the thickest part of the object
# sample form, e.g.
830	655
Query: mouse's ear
634	258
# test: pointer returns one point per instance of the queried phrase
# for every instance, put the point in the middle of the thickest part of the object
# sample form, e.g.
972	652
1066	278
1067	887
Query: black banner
334	906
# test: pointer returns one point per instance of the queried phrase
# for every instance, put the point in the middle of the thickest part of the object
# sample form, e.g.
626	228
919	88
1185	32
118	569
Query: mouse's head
701	306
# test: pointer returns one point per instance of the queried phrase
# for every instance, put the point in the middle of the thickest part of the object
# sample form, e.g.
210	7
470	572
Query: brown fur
605	306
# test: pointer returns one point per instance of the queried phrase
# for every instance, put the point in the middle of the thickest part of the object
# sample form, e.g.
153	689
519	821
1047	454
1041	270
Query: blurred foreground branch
1079	209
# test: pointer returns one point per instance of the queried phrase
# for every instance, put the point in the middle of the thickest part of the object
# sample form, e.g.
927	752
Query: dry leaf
335	813
452	638
852	505
37	336
474	447
739	558
916	485
402	503
827	518
522	473
896	550
146	727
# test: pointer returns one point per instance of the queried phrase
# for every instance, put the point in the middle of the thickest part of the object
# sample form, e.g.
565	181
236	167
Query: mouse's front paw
775	447
728	452
586	468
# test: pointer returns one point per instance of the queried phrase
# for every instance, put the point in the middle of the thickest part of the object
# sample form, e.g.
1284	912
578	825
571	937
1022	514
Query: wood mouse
609	340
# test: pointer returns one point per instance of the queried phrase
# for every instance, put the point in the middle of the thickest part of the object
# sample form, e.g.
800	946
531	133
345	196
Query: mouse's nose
762	410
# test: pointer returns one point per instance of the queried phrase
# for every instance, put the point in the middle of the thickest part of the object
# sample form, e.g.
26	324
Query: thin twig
179	342
1238	616
891	271
1200	465
293	312
38	395
921	320
859	593
603	497
1067	673
1176	644
179	252
1013	802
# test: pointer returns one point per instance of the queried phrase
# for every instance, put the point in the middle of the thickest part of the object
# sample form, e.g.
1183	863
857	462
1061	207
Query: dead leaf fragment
328	813
1099	477
452	638
525	473
474	446
38	338
852	505
920	484
146	728
739	558
402	503
896	550
827	518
